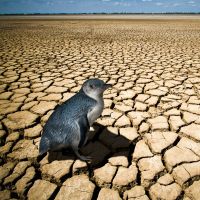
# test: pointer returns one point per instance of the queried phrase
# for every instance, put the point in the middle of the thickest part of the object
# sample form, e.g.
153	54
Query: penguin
68	125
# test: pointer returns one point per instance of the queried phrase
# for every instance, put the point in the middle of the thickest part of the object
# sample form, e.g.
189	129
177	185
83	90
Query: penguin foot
85	158
81	157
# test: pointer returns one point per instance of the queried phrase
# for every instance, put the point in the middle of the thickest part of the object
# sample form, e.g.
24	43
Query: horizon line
103	13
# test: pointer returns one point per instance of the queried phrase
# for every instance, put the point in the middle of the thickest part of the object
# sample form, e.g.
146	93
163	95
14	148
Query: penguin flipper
84	128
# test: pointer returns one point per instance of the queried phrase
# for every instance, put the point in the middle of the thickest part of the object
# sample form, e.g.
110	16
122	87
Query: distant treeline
114	13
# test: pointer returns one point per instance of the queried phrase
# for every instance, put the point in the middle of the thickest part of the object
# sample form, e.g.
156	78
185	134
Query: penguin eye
92	86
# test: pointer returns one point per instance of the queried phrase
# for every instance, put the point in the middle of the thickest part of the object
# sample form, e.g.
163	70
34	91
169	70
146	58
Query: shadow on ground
102	144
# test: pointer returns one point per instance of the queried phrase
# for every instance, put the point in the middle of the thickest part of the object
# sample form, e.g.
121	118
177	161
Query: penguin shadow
104	143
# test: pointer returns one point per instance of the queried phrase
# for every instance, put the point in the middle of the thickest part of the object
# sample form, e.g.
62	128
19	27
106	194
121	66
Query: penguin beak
106	86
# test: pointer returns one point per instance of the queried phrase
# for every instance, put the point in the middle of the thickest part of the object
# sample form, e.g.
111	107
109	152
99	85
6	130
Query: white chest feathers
95	112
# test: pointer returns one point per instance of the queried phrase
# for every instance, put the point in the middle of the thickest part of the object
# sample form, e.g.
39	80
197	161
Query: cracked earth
146	144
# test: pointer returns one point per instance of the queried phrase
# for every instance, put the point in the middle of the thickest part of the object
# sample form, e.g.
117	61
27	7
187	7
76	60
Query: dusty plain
146	144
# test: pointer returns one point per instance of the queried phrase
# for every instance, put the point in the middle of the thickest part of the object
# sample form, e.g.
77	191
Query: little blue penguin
68	125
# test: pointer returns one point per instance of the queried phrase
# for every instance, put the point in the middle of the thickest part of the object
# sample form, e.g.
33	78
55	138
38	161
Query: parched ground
146	144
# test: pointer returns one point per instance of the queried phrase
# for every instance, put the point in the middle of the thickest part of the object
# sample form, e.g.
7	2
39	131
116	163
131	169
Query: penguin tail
44	147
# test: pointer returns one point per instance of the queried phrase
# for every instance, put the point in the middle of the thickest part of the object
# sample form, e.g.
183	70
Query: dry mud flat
146	144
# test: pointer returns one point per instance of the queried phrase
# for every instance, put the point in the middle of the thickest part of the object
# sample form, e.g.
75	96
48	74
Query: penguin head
95	87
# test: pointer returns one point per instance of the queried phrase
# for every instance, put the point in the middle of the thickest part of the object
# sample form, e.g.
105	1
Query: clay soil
145	145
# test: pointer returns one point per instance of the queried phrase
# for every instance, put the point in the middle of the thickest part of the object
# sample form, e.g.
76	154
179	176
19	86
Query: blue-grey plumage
69	123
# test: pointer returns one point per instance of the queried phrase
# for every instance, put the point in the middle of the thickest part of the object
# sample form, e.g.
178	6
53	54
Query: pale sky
97	6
